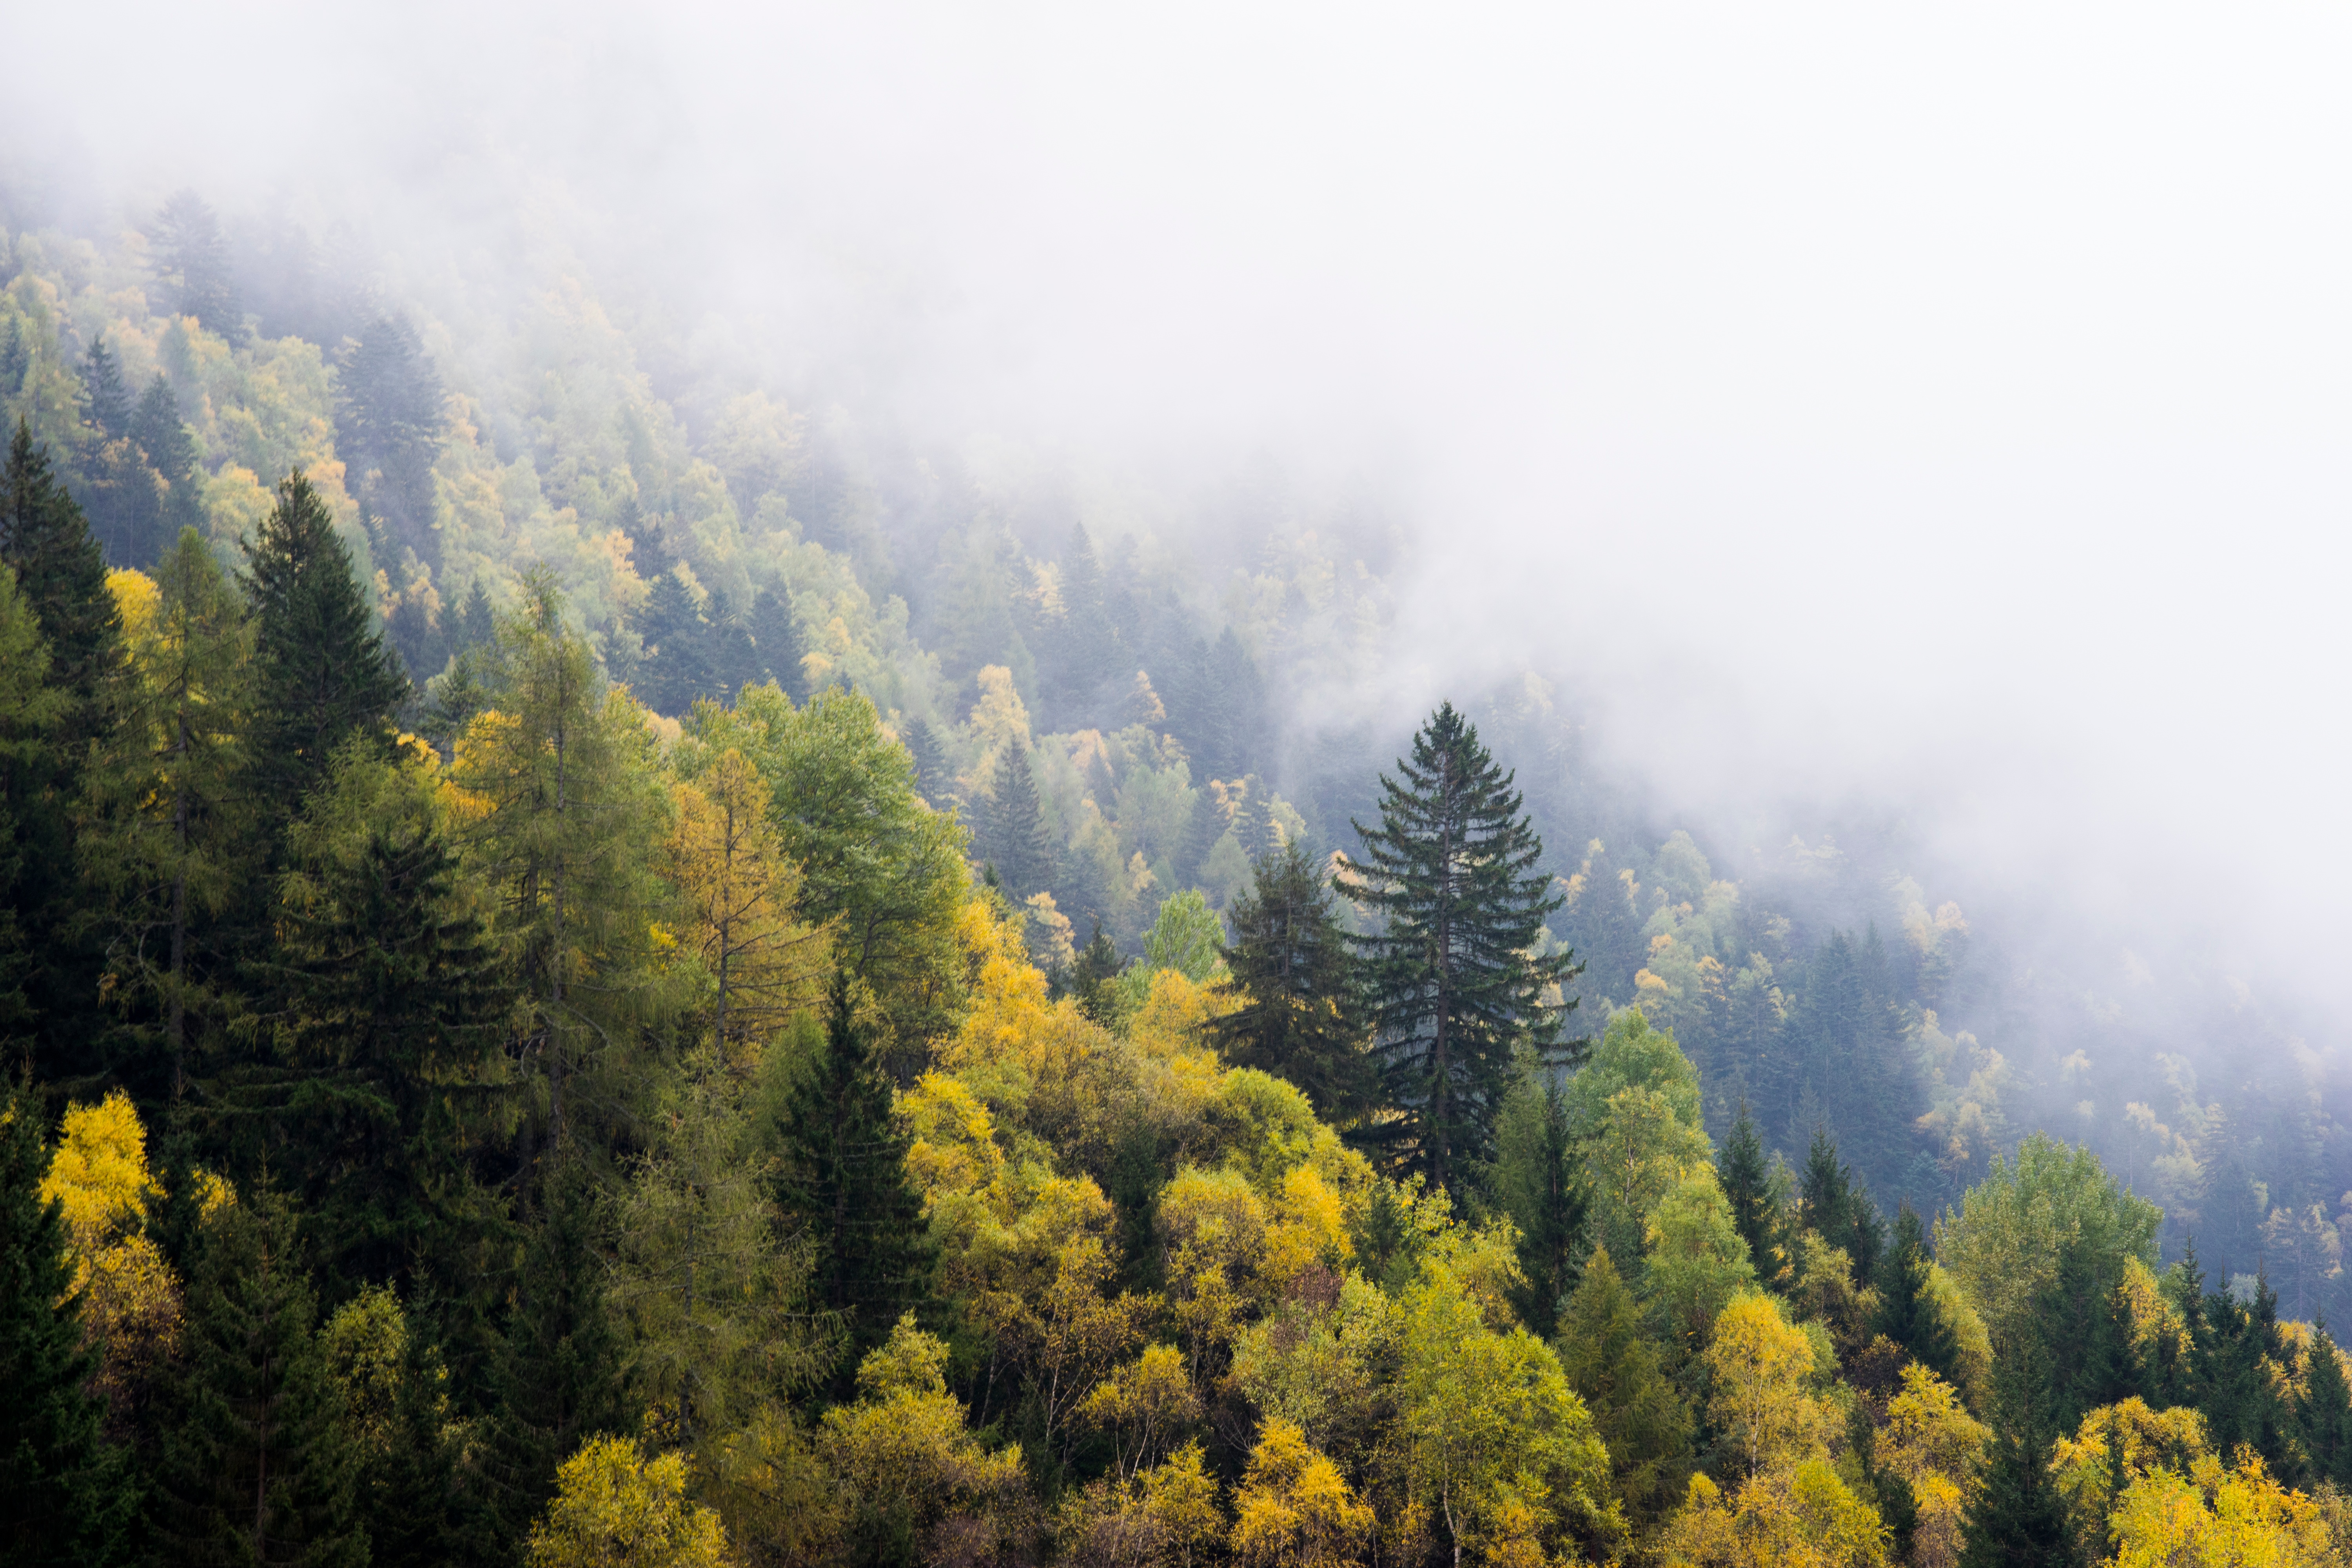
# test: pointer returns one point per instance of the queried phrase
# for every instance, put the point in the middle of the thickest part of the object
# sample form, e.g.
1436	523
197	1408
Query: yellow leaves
954	1149
1797	1516
1761	1361
136	601
100	1171
1311	1232
904	1446
614	1507
1143	1405
1933	1443
2215	1516
2084	1464
1008	1013
1293	1508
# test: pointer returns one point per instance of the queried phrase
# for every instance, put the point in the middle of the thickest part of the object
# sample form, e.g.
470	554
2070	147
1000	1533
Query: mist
1937	414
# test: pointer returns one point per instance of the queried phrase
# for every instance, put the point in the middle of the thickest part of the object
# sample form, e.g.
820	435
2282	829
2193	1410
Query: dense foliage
579	995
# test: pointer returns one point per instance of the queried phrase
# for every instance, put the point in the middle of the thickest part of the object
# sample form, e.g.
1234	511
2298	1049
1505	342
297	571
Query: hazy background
1938	408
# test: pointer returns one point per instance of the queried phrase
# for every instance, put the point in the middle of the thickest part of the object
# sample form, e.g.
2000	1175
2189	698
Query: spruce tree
1746	1182
1453	993
322	673
65	1496
61	572
1539	1180
193	258
105	400
1091	973
256	1466
1017	841
29	707
1296	1012
1907	1312
933	779
388	427
843	1174
171	451
2324	1414
676	668
777	646
2017	1519
555	1377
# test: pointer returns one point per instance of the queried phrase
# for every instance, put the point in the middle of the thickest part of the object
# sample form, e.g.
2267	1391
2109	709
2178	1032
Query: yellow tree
2217	1517
1760	1403
738	894
1795	1516
1935	1445
614	1507
1294	1510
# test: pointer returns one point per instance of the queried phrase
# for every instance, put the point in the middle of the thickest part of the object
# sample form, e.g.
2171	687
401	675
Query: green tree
1454	990
2324	1413
1605	1349
1746	1182
322	671
2017	1518
255	1463
1539	1180
66	1496
166	850
675	668
1836	1206
396	1416
843	1175
171	450
778	649
1297	1008
192	263
1017	841
29	707
1907	1312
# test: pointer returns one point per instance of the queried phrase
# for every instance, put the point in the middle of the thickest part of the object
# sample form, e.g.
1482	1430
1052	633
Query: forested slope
580	935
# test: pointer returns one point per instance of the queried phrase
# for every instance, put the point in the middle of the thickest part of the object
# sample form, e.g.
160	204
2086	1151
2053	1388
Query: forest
600	968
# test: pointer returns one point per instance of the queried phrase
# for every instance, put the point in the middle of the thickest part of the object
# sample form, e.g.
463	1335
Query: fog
1938	408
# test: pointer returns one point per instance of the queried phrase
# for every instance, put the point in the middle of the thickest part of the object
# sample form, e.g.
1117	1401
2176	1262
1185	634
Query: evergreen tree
676	668
475	626
933	779
193	258
555	1378
105	400
2324	1414
1539	1180
1907	1312
844	1174
388	1043
778	647
388	425
29	707
1091	973
256	1465
1296	1011
1838	1207
66	1496
322	673
1746	1182
61	572
1017	841
1203	826
171	451
2017	1519
2240	1401
734	660
1451	870
1612	1360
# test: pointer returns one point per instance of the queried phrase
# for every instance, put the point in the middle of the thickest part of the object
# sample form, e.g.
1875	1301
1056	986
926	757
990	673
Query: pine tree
677	667
66	1496
61	572
105	400
1612	1360
1838	1207
1907	1312
1746	1182
1017	841
2017	1519
475	626
777	646
193	258
2324	1414
1539	1180
844	1175
256	1466
1453	993
1202	829
1296	1009
555	1378
322	673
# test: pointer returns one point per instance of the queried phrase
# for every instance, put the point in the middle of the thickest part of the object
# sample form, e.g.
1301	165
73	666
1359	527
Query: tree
844	1176
1017	841
2324	1412
614	1507
322	671
192	261
1837	1207
171	451
256	1465
1907	1313
388	424
1539	1180
166	850
398	1418
1453	990
1606	1352
66	1496
1297	1009
1759	1403
1293	1508
677	667
778	647
739	893
30	709
1747	1184
2017	1519
106	401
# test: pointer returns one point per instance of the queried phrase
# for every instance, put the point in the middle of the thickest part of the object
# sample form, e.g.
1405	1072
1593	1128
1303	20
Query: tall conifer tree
1451	872
171	451
323	672
1907	1312
1746	1182
1539	1181
1297	1012
1017	841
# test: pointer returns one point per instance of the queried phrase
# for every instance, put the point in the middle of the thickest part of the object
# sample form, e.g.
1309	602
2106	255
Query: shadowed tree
1297	1012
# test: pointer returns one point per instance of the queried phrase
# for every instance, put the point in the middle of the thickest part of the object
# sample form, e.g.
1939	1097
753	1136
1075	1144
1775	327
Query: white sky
1943	402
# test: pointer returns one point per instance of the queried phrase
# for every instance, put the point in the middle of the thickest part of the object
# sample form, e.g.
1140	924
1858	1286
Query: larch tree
738	894
1297	1012
1454	989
